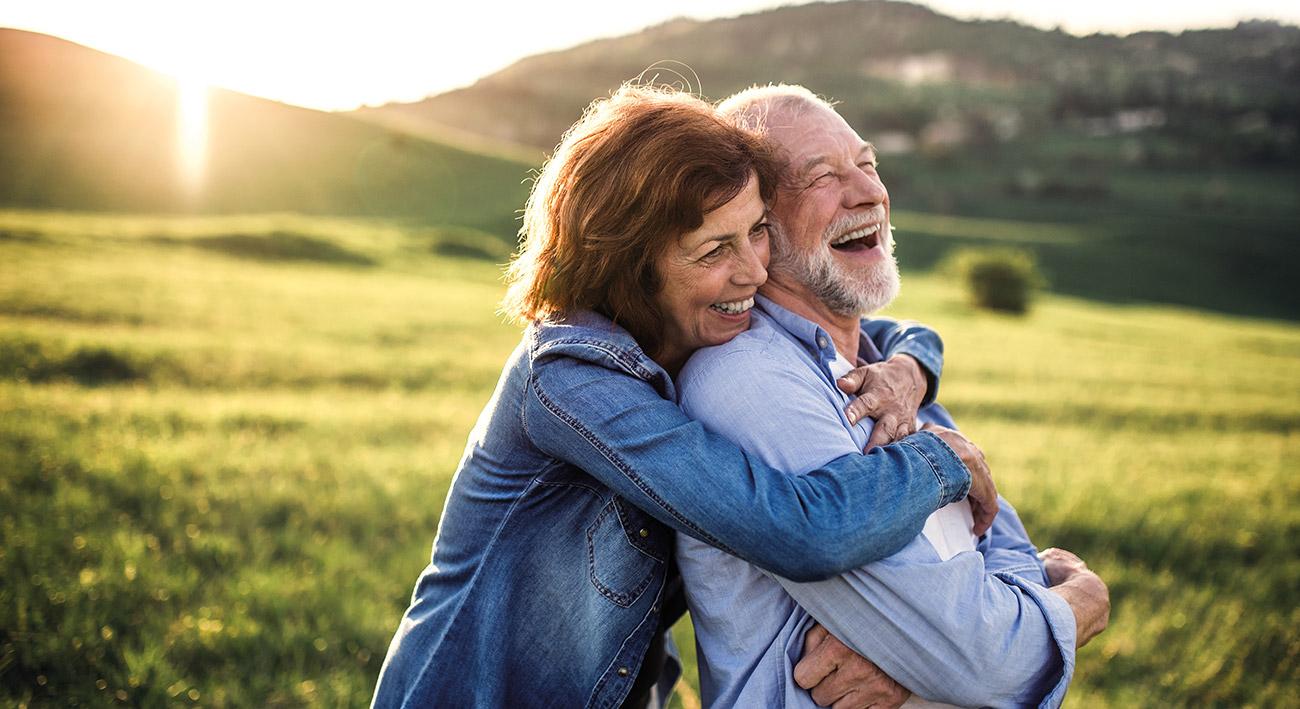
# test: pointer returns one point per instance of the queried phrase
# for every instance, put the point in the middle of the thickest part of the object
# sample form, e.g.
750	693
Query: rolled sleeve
948	630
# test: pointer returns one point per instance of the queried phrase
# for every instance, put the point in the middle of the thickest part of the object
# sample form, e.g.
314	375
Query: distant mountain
1170	161
85	130
919	76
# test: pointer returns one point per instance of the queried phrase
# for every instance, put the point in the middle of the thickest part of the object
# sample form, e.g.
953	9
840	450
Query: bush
1001	280
464	242
87	365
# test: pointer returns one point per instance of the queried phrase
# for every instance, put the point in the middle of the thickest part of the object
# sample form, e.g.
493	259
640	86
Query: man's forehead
815	135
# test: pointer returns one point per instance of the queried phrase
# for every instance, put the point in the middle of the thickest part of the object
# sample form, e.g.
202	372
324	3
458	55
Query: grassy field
224	445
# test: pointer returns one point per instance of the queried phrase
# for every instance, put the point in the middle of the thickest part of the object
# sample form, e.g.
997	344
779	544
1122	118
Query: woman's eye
761	229
713	253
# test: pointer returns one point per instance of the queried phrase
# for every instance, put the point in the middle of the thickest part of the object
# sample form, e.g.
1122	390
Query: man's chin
877	290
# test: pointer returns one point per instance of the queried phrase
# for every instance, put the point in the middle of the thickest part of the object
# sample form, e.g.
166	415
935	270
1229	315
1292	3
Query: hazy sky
339	55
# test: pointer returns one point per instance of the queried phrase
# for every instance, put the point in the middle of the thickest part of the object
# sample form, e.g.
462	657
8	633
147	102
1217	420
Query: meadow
225	442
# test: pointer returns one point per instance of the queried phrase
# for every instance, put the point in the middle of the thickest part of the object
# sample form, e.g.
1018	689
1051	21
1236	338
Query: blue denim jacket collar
592	337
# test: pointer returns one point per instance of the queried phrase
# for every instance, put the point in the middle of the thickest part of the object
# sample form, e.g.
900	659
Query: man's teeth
734	308
857	234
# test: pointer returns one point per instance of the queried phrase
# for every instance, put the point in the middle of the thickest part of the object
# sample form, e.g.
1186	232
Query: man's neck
796	298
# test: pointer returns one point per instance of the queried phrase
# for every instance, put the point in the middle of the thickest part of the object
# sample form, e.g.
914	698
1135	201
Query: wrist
1089	600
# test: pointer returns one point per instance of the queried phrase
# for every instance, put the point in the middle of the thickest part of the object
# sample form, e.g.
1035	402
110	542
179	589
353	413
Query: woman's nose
752	270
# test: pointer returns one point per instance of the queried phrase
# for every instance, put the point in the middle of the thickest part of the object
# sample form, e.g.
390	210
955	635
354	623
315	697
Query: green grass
224	445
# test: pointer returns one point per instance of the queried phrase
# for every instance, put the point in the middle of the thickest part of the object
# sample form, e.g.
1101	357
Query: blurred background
250	256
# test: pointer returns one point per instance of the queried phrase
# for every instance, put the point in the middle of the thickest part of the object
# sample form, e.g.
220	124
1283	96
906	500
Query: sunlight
191	133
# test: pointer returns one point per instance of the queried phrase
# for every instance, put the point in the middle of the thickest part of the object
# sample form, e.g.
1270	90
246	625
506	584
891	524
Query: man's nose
864	189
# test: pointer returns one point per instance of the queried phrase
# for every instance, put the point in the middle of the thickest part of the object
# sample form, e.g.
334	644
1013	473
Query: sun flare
191	133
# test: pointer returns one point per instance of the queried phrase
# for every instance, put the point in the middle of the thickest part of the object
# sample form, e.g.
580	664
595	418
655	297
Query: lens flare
191	134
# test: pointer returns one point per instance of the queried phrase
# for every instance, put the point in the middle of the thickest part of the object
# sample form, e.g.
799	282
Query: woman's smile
710	276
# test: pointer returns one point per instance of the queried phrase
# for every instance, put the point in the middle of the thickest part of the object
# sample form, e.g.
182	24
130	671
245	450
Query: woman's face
710	277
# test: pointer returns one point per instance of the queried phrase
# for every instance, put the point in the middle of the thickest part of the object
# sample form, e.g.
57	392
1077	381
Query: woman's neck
672	360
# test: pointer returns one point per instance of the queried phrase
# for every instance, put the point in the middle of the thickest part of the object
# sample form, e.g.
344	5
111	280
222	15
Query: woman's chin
729	326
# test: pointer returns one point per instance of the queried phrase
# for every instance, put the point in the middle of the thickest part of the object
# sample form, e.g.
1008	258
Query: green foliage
467	243
1222	95
1173	156
222	472
1001	280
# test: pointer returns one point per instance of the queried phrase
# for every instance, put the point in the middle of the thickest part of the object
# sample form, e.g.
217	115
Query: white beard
850	293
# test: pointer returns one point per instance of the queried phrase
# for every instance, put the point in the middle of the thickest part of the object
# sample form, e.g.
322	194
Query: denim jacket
548	574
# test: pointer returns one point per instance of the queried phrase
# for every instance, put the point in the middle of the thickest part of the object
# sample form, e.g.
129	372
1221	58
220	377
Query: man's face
831	231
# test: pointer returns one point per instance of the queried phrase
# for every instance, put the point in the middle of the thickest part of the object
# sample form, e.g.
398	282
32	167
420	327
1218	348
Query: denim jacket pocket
625	548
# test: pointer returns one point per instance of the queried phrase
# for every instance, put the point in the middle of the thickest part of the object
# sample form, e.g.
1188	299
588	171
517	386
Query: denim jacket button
622	672
644	532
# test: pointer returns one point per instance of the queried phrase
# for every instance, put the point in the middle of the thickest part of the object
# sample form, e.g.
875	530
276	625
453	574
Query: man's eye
822	179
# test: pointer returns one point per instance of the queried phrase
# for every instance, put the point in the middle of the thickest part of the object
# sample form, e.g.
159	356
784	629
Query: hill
900	67
1172	161
81	129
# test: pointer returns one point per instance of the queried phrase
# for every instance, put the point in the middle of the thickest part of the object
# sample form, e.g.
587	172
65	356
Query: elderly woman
551	581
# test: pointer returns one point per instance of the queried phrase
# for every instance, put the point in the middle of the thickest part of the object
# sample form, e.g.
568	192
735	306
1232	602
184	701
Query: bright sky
341	54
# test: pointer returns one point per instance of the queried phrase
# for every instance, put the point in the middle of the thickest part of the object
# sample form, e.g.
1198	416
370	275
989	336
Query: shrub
464	242
87	365
1001	280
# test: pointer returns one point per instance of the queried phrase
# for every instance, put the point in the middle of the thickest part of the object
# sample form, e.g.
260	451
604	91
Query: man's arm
950	630
1007	548
937	627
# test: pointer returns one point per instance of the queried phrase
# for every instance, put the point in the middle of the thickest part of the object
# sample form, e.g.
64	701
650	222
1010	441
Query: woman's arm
847	513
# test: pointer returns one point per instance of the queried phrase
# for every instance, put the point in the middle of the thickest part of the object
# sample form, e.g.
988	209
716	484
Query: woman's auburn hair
637	171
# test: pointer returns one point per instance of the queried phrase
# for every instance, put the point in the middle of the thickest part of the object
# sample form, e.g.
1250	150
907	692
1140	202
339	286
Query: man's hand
889	392
1082	589
835	676
983	495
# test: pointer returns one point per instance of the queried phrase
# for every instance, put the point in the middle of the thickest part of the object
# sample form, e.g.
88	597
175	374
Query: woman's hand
889	392
1082	589
835	676
983	494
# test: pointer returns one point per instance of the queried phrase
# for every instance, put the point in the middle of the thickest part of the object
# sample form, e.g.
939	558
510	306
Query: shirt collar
813	336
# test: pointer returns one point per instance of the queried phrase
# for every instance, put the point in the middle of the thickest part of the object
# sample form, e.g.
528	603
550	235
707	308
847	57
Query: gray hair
751	108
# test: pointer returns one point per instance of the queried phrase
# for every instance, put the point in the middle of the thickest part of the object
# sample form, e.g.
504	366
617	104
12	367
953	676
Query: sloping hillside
902	67
1171	160
80	129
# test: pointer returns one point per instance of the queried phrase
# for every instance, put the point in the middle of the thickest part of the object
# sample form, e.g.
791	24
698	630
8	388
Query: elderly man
951	617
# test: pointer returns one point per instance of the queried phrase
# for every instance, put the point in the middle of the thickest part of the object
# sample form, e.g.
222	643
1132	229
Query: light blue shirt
979	629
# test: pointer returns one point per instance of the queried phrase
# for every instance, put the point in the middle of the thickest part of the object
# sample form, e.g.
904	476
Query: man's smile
858	240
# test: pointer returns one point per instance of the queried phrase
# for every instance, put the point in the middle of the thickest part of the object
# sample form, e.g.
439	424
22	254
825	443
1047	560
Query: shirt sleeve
1006	547
953	631
909	337
950	631
841	515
